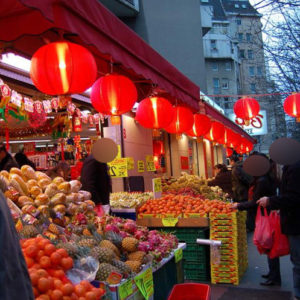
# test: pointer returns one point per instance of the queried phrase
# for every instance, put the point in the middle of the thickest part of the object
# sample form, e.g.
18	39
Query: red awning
26	24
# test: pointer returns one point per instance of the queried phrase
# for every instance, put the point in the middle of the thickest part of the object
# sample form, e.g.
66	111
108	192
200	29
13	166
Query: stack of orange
47	266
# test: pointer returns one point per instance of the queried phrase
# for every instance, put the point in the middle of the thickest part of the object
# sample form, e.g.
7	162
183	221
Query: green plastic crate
195	275
194	265
199	256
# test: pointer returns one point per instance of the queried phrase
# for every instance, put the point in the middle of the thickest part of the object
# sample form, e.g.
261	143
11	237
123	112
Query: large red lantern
201	126
216	132
233	139
246	109
155	112
291	106
158	148
113	95
63	68
182	121
229	152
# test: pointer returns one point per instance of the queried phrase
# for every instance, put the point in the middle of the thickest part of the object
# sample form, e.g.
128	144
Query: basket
190	291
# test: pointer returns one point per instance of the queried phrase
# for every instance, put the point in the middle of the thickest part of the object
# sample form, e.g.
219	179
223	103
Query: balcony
122	8
221	49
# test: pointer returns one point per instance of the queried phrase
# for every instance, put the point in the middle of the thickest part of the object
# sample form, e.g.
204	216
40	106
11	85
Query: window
238	21
240	37
251	71
216	84
213	44
250	54
236	5
204	1
259	71
248	37
231	46
225	83
214	66
253	88
242	53
228	66
244	6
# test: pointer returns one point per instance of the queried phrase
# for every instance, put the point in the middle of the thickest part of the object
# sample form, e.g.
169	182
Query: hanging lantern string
252	95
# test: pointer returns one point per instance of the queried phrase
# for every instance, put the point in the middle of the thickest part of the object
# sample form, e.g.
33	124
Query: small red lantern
291	106
182	122
155	112
63	68
246	109
201	126
113	95
216	132
233	139
158	148
229	152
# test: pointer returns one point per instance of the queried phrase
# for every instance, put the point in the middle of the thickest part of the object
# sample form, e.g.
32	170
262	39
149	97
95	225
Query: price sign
125	289
150	163
118	167
157	187
178	255
130	163
169	222
29	147
144	282
141	166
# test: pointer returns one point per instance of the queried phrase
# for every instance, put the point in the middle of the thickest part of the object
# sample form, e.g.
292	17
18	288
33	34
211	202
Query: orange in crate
190	291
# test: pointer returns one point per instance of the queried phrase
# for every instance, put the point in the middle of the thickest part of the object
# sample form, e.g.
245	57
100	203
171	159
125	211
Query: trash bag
263	234
281	244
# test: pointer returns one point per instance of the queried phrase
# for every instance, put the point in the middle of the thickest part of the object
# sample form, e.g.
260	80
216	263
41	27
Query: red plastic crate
190	291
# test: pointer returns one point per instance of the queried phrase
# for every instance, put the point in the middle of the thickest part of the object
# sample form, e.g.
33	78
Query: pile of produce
181	204
129	200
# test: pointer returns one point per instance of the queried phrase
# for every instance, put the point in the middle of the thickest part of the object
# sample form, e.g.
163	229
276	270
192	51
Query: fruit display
47	266
178	205
128	200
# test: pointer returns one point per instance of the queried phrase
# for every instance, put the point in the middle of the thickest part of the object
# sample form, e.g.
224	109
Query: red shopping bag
99	210
281	244
263	234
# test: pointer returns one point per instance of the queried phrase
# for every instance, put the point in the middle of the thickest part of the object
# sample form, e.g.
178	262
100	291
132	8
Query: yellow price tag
125	289
130	163
169	222
157	185
150	163
144	283
178	255
119	155
118	168
141	166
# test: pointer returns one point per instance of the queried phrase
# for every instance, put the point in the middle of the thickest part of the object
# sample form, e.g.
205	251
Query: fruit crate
195	275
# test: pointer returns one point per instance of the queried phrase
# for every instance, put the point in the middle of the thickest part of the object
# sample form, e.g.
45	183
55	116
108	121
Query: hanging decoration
229	152
246	109
113	95
76	121
201	126
158	148
291	106
77	141
216	132
233	139
62	68
182	121
37	118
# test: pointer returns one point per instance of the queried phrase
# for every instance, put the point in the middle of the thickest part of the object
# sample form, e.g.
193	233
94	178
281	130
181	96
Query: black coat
96	180
223	180
7	163
289	200
15	282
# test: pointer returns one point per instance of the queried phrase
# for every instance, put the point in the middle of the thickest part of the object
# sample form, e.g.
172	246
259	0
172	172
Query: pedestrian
22	159
62	169
288	202
222	179
6	160
95	179
265	185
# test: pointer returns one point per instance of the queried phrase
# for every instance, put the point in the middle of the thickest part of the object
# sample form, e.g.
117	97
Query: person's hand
264	201
234	206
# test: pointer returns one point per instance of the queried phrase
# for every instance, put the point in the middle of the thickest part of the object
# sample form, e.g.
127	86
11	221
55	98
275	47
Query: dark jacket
240	182
96	180
7	163
15	282
223	180
289	200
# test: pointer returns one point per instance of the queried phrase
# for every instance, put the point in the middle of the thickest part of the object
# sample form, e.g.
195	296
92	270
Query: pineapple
135	266
104	255
87	242
137	256
29	231
126	270
108	244
130	244
104	271
53	228
115	238
71	248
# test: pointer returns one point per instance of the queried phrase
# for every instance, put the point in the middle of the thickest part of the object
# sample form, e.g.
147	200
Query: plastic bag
263	234
281	244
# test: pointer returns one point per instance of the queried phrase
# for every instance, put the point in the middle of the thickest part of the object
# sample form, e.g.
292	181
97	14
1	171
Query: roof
218	10
239	7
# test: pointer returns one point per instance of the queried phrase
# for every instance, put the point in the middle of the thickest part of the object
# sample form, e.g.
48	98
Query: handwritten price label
144	283
178	255
125	289
157	185
118	168
141	166
169	222
150	163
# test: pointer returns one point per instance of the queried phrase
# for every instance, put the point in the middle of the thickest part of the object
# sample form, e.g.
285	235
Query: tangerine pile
47	266
178	204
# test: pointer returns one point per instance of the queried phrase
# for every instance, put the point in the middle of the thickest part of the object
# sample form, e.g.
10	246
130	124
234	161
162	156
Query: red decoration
155	112
184	162
158	148
54	103
113	95
229	152
63	68
201	126
246	109
216	132
37	119
38	107
233	139
182	122
76	122
291	106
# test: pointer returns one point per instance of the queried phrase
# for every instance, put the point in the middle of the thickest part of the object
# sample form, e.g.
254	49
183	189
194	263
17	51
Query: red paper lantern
233	139
113	95
291	106
155	112
182	121
158	148
201	126
229	152
37	119
63	68
216	132
246	109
